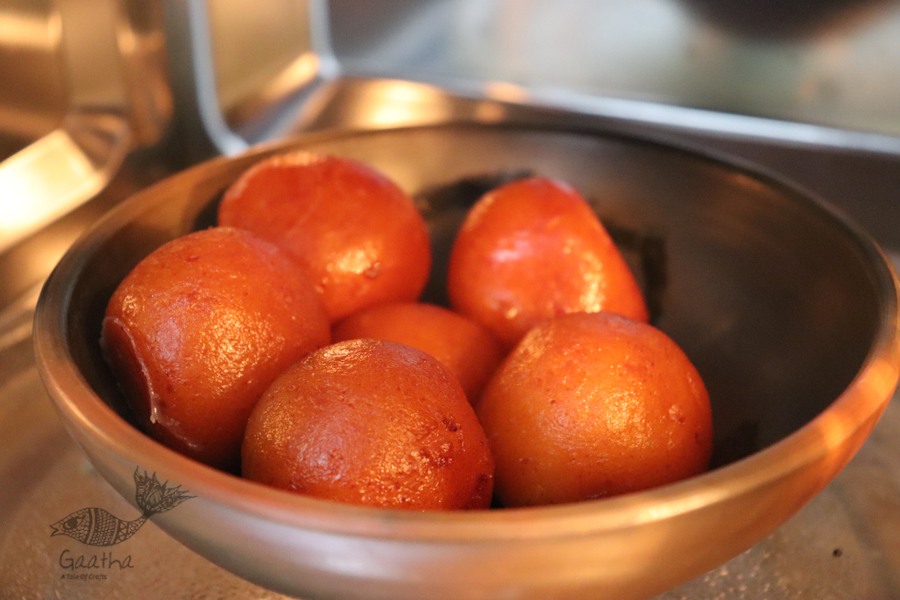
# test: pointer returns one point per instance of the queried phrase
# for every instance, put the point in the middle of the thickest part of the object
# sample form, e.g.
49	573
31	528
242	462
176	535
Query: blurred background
831	62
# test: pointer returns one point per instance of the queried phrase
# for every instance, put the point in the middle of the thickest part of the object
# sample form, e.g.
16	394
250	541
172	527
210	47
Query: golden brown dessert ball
594	405
531	250
359	236
370	422
459	343
198	330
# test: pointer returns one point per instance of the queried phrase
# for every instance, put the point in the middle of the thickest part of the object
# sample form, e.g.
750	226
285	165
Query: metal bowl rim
87	415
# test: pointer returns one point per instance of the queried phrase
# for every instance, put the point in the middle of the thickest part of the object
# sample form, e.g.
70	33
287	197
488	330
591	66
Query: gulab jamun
534	249
374	423
358	235
592	405
465	347
198	330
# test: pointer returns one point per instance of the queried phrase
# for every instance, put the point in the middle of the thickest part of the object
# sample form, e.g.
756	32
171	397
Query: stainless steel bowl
789	312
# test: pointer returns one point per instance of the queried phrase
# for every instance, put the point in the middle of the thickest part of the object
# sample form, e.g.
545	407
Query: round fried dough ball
531	250
593	405
460	344
358	235
374	423
197	331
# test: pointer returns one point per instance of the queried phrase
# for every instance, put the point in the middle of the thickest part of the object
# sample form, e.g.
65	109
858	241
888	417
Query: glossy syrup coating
469	350
197	331
359	236
370	422
534	249
593	405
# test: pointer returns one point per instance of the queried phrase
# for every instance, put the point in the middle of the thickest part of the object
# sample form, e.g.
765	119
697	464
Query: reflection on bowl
789	313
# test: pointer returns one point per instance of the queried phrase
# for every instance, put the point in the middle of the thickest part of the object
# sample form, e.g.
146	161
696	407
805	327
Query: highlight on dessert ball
292	343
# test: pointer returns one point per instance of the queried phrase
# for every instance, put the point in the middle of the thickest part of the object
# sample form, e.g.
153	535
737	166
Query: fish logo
97	527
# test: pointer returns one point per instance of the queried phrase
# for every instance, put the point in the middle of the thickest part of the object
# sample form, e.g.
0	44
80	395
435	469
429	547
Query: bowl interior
774	299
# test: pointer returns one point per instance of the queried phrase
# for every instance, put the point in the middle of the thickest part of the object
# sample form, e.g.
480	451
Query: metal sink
100	99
